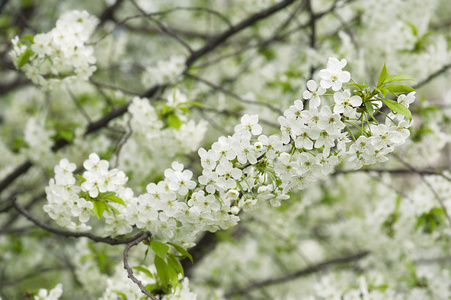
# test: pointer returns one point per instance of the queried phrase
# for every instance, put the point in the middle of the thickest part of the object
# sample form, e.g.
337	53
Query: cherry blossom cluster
39	141
173	210
148	121
60	55
100	191
155	137
239	171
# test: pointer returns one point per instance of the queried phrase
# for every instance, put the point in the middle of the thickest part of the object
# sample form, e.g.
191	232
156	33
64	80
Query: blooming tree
225	150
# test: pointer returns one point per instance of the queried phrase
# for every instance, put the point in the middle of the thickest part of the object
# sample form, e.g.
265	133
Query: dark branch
235	29
97	239
307	271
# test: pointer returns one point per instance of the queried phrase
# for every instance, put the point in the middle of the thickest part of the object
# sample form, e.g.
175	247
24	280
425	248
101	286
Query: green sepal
160	249
398	107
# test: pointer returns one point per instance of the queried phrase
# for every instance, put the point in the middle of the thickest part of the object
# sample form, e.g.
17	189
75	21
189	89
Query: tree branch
141	237
312	269
235	29
66	233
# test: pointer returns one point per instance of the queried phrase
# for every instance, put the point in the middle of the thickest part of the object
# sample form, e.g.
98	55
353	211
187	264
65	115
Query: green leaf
191	103
384	91
394	78
173	276
398	107
66	134
159	248
182	251
115	199
162	270
369	108
99	208
165	109
28	38
174	263
174	121
359	86
144	270
398	88
413	27
106	194
120	294
382	76
185	109
81	178
24	58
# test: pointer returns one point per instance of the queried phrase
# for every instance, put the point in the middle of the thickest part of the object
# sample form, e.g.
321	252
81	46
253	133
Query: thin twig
307	271
142	237
124	140
232	94
78	104
437	196
66	233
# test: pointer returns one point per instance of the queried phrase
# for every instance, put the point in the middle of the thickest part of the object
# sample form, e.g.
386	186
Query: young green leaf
394	78
99	208
191	103
124	296
144	270
398	107
81	178
162	270
382	76
66	134
384	91
28	38
359	86
159	248
115	199
398	88
174	263
165	109
173	276
174	121
24	58
185	109
182	251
